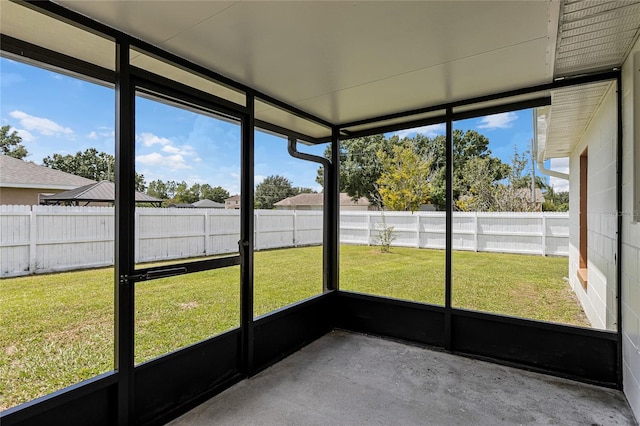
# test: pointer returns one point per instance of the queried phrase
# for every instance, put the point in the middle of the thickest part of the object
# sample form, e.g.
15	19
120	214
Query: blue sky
55	113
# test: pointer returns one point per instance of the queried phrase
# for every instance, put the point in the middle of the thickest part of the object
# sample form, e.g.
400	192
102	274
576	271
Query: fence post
33	236
207	232
475	231
544	235
295	223
136	236
417	230
368	222
256	229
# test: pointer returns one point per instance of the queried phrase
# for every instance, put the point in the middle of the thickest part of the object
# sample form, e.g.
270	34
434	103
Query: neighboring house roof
181	205
318	200
208	204
15	173
233	198
202	204
103	191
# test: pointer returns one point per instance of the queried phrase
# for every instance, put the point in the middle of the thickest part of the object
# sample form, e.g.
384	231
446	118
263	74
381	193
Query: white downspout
540	155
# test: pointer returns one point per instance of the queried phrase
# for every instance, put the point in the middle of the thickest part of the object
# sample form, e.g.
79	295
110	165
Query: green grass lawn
57	329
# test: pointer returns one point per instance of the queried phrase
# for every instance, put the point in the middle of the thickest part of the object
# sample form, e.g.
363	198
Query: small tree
404	182
11	143
386	235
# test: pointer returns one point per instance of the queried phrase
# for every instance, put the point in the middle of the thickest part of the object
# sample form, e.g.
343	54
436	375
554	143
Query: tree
555	201
90	164
360	167
466	146
479	188
304	190
512	196
11	143
216	193
404	182
181	193
271	190
158	189
187	194
482	191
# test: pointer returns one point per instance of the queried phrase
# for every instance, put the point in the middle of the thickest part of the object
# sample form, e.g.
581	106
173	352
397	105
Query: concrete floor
352	379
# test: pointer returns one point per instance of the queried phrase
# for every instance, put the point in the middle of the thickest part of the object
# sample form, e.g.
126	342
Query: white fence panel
355	227
174	233
52	238
273	229
433	230
224	231
308	228
72	237
15	240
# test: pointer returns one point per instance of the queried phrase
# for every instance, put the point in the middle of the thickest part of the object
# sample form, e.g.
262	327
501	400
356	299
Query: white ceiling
345	61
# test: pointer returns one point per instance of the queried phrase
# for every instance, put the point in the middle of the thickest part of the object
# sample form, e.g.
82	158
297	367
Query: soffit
592	36
346	61
565	120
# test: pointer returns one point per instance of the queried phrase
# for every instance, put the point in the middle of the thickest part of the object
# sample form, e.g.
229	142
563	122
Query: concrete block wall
599	298
630	255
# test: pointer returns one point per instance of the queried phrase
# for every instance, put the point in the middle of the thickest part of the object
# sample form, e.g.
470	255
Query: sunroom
303	79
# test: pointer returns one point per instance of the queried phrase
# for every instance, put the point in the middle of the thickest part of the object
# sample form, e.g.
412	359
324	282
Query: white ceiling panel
344	61
469	77
36	28
152	21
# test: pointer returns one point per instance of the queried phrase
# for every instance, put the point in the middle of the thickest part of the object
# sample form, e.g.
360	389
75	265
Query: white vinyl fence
36	239
525	233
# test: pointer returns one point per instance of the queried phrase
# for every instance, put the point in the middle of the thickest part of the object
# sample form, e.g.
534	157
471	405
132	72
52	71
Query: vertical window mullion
124	237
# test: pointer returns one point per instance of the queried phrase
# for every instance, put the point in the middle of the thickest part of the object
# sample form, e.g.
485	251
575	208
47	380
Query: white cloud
25	135
559	165
184	150
257	179
92	135
174	151
171	149
498	121
171	162
149	139
429	131
44	126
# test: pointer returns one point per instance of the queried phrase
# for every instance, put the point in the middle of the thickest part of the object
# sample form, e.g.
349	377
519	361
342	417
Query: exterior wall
23	196
630	255
599	298
298	208
355	208
232	202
